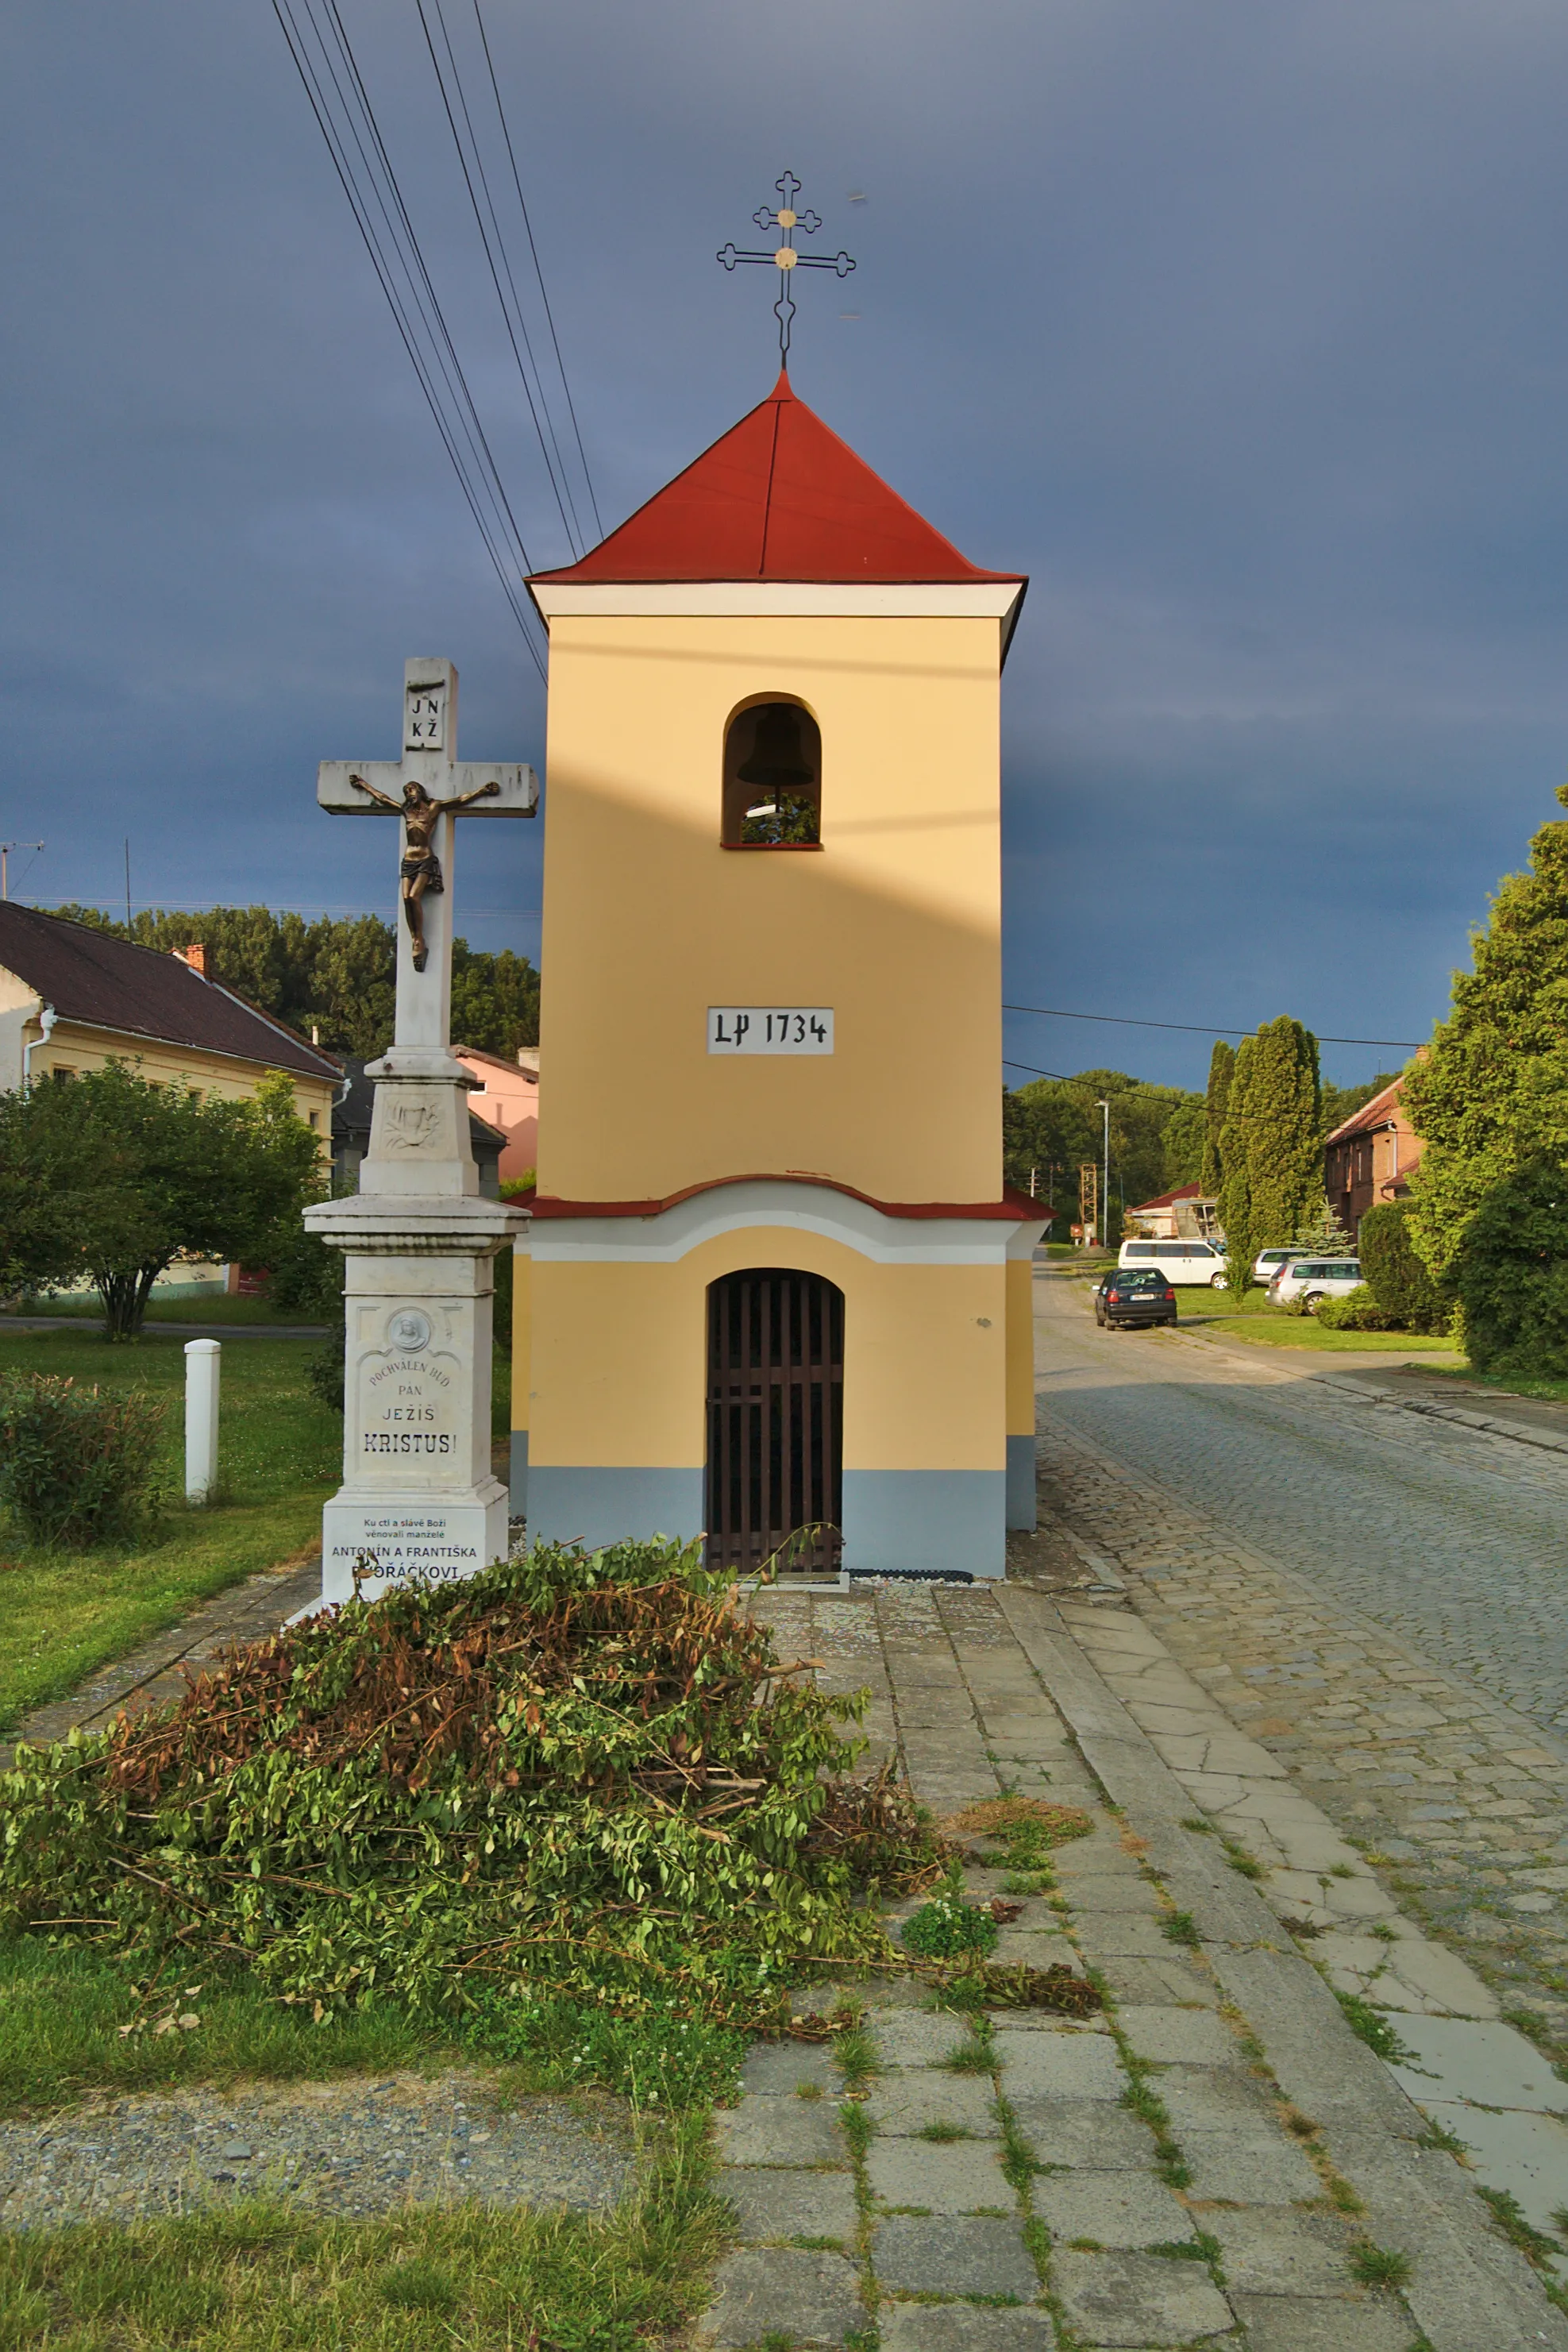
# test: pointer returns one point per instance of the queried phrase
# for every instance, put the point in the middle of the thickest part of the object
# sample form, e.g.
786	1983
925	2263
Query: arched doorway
775	1415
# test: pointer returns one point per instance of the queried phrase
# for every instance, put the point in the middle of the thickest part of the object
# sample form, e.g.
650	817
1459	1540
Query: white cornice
780	599
666	1238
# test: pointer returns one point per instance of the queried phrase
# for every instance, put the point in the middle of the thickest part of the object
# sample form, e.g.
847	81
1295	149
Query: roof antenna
784	258
5	849
127	882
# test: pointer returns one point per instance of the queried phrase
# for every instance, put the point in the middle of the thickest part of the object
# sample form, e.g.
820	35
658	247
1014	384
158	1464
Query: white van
1179	1260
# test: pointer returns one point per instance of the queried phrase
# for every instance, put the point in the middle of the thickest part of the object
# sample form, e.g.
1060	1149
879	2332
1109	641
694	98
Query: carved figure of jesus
421	867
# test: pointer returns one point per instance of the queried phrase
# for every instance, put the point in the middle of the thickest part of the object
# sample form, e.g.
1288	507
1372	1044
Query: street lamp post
1105	1178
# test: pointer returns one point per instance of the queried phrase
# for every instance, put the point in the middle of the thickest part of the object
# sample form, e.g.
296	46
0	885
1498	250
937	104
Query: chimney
195	955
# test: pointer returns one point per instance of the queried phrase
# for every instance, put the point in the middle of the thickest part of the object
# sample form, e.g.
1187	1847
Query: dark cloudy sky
1243	329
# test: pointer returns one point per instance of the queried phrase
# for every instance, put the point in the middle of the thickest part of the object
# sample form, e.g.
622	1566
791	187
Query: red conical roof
780	497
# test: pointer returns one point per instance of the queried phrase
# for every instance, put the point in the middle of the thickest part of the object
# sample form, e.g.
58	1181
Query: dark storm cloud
1242	330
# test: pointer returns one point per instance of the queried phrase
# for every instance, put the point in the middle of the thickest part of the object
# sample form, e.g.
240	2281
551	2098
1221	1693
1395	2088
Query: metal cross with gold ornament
784	257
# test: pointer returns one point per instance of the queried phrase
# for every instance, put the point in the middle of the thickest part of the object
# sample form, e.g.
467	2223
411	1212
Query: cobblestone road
1455	1540
1334	1664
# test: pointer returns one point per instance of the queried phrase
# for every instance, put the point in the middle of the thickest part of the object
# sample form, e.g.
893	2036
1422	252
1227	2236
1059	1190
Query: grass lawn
1506	1384
64	1614
1254	1321
238	1312
1217	1314
262	2277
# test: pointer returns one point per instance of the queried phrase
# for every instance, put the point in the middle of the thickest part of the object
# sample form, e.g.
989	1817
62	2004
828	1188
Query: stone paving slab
804	2298
1288	2324
781	2205
1249	2167
1273	2253
959	2327
1186	2037
904	2105
786	2067
768	2130
957	2177
1081	2065
943	2256
1136	2300
1114	2208
1088	2132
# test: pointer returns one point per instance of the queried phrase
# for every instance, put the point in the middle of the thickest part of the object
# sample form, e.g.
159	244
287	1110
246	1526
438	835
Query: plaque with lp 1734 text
769	1029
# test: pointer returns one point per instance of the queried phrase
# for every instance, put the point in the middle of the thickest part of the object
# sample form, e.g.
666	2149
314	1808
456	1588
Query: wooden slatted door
775	1416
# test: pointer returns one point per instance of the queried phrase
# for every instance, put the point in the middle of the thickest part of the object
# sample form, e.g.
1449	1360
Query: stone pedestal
418	1502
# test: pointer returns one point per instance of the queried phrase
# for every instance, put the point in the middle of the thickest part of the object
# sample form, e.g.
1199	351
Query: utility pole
1105	1186
5	849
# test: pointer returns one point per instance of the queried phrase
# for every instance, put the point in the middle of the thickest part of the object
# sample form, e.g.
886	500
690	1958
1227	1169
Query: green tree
1270	1146
136	1175
1055	1124
1394	1274
1221	1072
495	1000
1490	1100
1182	1144
1510	1273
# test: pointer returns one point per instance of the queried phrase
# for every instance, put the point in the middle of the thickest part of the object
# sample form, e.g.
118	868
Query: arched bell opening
775	1418
773	778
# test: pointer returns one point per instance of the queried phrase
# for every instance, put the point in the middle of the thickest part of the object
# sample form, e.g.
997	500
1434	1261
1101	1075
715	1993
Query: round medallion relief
409	1330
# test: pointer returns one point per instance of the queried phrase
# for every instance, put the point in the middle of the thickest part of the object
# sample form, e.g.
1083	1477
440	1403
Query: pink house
508	1096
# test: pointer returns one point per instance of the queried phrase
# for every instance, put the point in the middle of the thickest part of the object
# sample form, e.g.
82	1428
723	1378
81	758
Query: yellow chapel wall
617	1357
894	923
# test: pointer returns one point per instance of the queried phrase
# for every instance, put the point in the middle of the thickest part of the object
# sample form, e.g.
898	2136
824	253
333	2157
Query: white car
1179	1262
1267	1263
1315	1279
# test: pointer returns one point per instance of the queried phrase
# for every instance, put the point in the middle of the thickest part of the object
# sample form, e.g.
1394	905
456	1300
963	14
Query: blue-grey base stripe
598	1506
1022	1506
939	1520
519	1480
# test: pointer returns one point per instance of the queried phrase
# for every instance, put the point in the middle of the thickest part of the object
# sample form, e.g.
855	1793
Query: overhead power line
471	162
539	273
1097	1093
325	61
1197	1028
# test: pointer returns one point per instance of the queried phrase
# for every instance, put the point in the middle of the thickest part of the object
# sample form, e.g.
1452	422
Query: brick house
1369	1157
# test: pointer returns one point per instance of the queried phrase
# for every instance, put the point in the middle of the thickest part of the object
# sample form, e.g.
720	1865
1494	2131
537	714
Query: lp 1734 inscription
769	1029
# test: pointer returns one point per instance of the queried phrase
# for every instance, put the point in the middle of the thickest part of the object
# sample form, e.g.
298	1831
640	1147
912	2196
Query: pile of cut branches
582	1772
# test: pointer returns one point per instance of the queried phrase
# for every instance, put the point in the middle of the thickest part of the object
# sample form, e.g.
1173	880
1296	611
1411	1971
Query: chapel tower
773	1279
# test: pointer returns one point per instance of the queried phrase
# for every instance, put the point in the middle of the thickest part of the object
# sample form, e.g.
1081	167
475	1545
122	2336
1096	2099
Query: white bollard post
201	1358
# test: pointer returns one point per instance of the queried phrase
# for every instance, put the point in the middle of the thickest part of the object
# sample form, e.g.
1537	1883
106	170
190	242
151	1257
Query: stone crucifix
419	1501
426	788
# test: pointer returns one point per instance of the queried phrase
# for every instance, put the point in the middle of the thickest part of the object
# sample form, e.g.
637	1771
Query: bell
777	759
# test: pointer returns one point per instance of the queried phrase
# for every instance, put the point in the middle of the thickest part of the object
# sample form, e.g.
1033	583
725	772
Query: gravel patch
354	2145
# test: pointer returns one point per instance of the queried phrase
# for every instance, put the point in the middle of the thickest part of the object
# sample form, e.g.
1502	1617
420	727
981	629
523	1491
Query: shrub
1358	1312
305	1277
76	1467
1396	1278
324	1365
1512	1276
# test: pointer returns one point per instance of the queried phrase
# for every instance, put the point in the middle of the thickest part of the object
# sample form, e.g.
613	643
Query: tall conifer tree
1270	1154
1221	1070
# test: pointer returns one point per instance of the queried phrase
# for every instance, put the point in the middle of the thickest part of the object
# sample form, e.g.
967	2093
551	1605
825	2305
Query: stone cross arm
444	779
